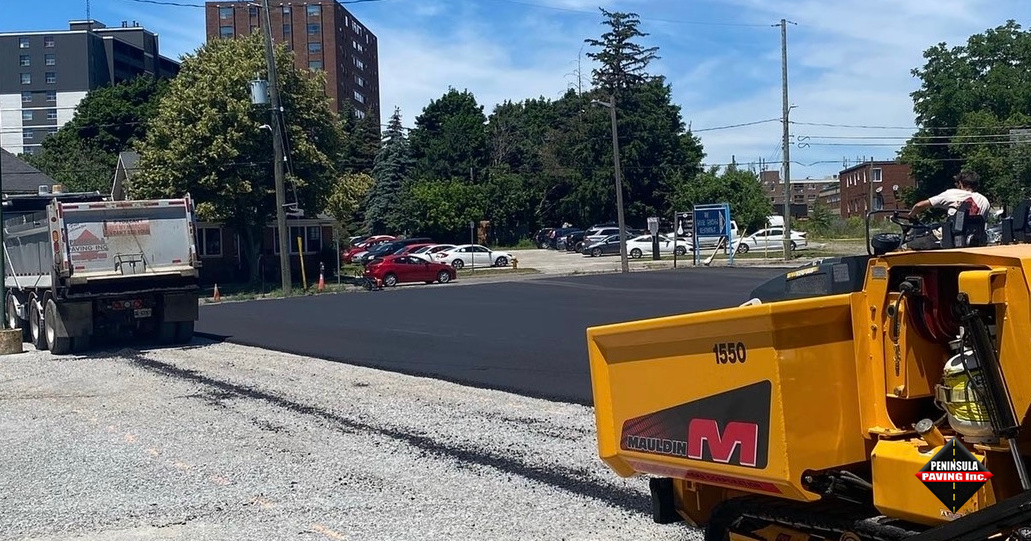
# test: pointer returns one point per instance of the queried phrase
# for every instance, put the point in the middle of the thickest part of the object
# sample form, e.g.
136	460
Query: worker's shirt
954	197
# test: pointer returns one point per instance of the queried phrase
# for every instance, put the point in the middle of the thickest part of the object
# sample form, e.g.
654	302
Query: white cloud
848	64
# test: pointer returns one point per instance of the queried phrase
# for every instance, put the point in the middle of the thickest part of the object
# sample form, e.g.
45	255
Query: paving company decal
729	428
954	475
127	228
87	246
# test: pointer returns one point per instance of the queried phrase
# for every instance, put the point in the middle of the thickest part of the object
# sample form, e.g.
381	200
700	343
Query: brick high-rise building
323	36
45	74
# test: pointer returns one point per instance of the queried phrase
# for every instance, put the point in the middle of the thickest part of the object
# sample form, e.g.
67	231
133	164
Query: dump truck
80	267
880	396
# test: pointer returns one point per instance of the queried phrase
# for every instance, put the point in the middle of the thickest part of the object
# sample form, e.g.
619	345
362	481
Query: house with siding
221	249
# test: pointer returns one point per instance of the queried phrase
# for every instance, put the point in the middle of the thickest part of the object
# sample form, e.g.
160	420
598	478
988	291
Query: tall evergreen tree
392	170
623	61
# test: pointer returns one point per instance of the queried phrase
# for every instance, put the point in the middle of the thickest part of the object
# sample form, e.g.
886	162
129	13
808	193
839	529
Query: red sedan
395	269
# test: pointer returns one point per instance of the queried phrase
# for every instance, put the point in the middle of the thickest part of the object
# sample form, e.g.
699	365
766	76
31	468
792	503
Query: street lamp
619	181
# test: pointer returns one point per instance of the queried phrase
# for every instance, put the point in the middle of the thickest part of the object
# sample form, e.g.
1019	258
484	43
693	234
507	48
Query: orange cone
322	277
217	296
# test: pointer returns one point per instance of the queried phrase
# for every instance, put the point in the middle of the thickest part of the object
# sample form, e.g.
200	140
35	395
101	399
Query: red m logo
702	433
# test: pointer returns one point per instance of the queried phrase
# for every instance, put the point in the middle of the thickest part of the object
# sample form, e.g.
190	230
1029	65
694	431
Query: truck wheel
58	345
183	332
15	322
166	332
36	334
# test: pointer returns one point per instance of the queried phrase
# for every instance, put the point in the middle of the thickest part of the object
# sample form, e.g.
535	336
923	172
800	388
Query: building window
254	12
313	29
226	31
26	97
51	77
225	13
286	10
286	29
254	27
51	131
315	47
51	95
24	61
51	114
315	64
877	175
359	81
358	63
26	79
359	97
48	41
26	114
311	238
26	135
51	59
209	241
23	43
314	11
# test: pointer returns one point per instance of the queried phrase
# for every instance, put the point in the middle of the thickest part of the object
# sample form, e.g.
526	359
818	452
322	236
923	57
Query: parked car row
393	260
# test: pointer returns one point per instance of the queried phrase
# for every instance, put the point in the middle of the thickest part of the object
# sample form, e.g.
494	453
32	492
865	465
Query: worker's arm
919	207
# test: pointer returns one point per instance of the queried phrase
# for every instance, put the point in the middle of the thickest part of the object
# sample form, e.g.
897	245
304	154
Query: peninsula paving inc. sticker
954	475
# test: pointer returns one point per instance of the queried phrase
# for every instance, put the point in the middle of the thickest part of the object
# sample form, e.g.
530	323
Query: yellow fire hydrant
515	263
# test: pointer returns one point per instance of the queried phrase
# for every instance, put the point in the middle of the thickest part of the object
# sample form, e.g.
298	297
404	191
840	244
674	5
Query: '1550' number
729	352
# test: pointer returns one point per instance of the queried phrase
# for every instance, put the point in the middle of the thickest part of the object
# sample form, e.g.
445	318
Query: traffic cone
218	296
322	276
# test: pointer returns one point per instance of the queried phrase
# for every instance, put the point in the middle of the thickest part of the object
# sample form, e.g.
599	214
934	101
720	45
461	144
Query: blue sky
849	62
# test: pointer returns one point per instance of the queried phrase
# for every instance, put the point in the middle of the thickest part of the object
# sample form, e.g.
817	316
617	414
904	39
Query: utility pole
619	187
786	142
277	144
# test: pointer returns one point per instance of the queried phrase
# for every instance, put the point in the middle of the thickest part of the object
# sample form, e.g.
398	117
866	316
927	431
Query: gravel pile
218	441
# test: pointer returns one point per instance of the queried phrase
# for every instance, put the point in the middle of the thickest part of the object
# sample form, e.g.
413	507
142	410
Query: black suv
388	248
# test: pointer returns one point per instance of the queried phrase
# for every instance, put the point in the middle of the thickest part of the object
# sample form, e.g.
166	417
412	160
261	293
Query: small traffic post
682	222
712	221
653	228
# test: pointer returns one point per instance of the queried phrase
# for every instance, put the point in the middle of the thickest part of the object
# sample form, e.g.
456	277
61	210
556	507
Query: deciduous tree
209	140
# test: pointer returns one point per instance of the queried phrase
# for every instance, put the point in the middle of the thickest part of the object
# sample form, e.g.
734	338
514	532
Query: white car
640	246
432	249
473	254
769	239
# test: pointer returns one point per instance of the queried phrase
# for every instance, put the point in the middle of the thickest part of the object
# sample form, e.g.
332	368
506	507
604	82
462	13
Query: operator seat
1016	228
964	230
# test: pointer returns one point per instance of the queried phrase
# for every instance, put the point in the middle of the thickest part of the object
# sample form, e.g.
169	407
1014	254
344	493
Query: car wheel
793	246
596	252
390	280
501	261
635	253
681	250
458	263
742	248
443	277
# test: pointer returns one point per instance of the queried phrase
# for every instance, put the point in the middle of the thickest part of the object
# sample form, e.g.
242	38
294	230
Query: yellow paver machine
875	397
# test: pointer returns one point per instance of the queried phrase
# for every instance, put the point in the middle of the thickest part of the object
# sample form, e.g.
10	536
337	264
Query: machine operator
965	190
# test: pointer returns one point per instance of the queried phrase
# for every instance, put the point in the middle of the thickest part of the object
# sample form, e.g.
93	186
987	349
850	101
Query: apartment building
45	74
872	184
805	192
322	34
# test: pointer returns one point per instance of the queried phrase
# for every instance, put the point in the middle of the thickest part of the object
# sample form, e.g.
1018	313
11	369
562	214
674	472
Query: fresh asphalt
526	337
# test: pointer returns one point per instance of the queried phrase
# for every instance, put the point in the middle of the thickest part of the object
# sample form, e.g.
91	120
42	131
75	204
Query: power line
737	125
913	128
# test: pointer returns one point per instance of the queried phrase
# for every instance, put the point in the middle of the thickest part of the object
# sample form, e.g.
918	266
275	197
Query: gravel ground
219	441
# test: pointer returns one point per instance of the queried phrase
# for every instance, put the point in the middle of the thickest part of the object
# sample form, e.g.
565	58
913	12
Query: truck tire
13	321
36	335
58	345
184	332
664	510
166	332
